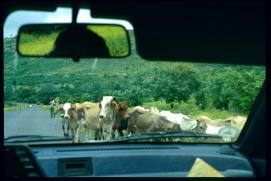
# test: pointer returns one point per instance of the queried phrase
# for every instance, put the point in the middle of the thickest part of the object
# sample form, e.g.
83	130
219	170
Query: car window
59	97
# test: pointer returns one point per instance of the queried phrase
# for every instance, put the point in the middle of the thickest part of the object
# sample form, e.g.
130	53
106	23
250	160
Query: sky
61	15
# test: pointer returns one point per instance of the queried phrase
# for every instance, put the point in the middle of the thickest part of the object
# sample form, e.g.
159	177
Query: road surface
31	121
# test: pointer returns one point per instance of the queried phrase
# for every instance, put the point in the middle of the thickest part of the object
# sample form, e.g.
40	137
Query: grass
29	44
14	107
114	36
216	114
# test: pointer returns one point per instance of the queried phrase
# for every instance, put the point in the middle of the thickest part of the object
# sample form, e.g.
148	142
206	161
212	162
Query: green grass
14	107
115	38
216	114
37	44
42	44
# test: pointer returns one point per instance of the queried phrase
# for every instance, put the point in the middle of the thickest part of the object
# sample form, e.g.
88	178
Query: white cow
107	116
213	129
186	123
142	109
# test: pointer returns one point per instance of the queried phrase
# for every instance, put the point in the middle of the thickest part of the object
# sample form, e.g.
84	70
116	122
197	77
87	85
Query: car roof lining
227	32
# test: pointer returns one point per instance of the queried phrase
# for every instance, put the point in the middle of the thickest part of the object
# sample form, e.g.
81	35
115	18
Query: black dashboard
122	160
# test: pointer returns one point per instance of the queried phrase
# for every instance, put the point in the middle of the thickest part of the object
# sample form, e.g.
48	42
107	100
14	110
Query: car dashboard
122	160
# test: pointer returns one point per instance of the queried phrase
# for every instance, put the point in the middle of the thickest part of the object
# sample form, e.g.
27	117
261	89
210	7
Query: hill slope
133	79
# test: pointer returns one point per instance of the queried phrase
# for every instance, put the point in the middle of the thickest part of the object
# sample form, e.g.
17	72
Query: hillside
139	82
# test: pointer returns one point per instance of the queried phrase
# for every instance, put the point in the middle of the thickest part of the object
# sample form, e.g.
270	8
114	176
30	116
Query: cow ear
227	121
60	107
87	107
114	104
73	106
76	106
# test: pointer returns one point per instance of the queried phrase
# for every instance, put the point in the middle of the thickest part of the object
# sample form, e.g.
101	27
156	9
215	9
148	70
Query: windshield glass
100	99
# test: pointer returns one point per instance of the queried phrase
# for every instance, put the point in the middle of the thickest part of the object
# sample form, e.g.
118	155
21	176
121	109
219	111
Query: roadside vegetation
11	106
214	90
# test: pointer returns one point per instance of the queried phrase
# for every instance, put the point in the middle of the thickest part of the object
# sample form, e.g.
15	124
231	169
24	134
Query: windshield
61	98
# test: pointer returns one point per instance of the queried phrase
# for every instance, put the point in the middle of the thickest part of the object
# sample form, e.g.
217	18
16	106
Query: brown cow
145	121
121	121
90	120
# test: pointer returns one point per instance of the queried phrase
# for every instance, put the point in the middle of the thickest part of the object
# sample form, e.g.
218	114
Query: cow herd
108	119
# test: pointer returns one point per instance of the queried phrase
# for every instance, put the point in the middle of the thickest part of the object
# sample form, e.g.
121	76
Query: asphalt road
31	121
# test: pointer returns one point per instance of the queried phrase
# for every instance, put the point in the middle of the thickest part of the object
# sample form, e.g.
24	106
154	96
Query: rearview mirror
73	41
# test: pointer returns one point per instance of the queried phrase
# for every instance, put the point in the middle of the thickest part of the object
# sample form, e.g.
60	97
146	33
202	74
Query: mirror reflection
82	40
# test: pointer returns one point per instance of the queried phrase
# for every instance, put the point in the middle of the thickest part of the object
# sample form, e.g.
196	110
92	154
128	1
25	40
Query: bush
188	108
160	104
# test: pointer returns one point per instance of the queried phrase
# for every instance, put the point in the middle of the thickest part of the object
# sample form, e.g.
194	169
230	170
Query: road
31	121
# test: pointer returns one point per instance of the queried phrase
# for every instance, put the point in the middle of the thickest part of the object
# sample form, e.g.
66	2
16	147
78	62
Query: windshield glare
107	99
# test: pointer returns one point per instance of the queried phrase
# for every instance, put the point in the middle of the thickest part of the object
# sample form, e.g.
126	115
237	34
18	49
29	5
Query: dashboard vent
118	148
25	164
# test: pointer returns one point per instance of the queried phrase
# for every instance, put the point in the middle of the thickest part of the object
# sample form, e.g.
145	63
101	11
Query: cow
213	129
91	121
237	121
205	119
185	122
107	116
216	126
90	112
70	118
216	122
154	110
121	120
142	120
151	109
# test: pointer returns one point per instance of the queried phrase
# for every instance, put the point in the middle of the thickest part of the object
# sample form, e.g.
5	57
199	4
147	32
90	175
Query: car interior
226	32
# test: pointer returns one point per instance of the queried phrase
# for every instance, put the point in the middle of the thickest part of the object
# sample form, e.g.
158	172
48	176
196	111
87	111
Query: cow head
77	111
123	111
201	126
122	118
107	108
64	109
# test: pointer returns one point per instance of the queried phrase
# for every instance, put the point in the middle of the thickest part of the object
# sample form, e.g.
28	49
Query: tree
176	82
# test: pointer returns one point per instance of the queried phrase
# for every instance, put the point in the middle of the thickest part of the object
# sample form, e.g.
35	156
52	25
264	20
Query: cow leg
91	134
73	135
120	132
63	128
78	131
113	133
107	132
99	135
125	132
68	134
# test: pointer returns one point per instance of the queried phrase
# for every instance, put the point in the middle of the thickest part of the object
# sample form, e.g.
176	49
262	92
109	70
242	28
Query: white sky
61	15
